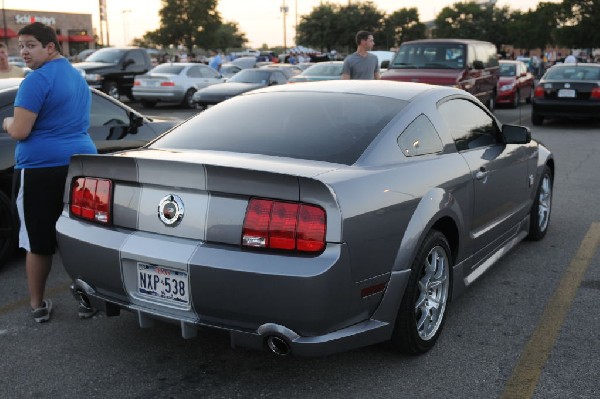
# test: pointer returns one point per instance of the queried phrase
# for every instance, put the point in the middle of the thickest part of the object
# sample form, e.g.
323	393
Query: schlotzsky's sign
28	19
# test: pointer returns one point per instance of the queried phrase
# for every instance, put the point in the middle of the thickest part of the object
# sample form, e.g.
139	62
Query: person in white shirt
571	59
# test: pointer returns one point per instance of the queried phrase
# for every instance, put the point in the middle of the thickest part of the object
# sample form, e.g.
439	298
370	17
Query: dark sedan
113	126
515	84
567	91
353	218
241	82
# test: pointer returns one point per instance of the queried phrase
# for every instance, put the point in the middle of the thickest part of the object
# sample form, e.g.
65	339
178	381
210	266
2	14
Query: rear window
573	73
330	127
168	68
431	56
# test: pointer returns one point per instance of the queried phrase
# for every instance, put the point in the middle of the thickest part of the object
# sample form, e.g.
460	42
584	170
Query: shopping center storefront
75	32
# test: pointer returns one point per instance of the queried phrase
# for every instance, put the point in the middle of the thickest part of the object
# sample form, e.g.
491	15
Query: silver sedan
307	219
174	83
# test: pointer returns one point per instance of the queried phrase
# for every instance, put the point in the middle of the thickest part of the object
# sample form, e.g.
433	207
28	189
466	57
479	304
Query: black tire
148	103
187	101
419	322
537	120
516	100
8	229
542	207
111	89
491	104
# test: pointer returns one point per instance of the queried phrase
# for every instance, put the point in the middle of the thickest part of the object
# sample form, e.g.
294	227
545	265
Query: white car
16	60
174	82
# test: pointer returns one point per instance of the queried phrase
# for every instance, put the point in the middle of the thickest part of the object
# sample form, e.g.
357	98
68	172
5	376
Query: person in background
7	70
215	60
50	123
362	64
571	59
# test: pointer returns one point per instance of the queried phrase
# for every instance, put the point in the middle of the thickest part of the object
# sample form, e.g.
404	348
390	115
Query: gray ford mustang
353	218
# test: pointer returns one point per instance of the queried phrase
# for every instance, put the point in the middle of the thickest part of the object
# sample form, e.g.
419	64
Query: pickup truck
113	69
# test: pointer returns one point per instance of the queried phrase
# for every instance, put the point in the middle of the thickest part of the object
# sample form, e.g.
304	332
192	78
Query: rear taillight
167	83
284	226
91	199
137	83
539	91
595	93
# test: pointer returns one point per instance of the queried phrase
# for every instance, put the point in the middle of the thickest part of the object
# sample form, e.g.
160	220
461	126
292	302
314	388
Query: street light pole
284	9
125	25
4	22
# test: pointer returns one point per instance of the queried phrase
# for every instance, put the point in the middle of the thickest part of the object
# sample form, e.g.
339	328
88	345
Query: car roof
380	88
468	41
10	83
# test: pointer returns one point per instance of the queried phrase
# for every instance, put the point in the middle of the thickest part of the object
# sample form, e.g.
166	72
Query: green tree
356	17
401	26
473	21
534	28
191	23
319	29
331	26
579	22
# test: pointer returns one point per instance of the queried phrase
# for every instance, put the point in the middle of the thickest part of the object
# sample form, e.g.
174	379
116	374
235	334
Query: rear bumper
311	304
566	108
154	95
364	333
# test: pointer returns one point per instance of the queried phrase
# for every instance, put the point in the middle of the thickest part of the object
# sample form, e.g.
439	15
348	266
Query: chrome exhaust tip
278	345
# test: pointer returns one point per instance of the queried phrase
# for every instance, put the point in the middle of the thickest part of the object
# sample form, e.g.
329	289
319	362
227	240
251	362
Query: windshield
330	127
107	55
508	69
324	70
251	76
430	56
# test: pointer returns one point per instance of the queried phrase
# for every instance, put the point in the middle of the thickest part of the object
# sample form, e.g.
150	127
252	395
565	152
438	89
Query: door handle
481	174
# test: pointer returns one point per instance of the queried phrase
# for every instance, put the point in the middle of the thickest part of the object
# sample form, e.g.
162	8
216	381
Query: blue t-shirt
215	62
62	100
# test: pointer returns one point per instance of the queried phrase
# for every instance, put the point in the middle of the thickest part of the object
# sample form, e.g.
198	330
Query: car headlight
93	77
507	87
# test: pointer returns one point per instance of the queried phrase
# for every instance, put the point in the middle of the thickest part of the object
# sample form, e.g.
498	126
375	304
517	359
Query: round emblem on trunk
170	210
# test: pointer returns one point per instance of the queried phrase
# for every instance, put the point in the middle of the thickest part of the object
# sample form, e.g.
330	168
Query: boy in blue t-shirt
50	122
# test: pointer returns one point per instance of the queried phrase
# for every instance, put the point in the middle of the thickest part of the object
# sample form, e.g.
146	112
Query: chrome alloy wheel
433	293
544	202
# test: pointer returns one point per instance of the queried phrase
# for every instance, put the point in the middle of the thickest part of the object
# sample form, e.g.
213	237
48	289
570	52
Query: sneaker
85	312
42	314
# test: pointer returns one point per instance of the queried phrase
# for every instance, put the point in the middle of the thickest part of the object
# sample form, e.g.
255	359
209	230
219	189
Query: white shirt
571	59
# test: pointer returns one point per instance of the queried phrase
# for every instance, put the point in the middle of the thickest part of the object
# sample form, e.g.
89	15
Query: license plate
164	283
566	93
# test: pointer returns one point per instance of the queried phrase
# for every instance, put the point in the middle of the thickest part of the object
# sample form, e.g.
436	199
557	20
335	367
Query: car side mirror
273	83
135	121
514	134
478	65
385	64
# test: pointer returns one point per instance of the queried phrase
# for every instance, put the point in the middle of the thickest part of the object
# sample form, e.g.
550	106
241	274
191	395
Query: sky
260	20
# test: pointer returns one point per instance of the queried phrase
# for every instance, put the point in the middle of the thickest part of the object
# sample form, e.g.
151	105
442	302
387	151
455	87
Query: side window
278	77
137	57
419	138
194	72
105	113
470	126
208	73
